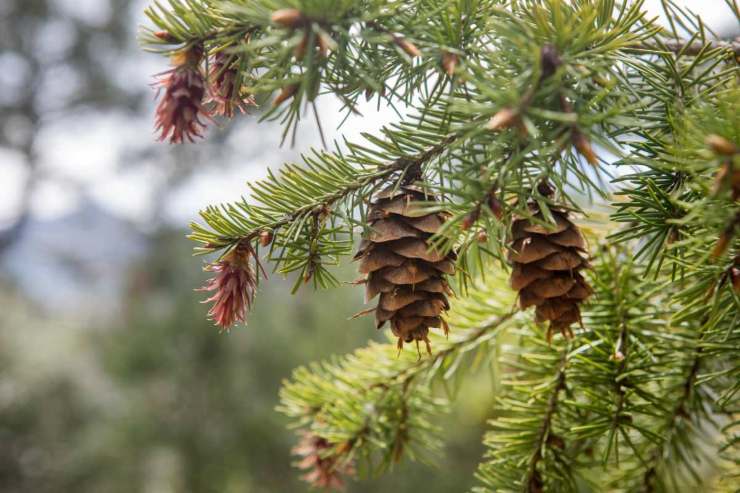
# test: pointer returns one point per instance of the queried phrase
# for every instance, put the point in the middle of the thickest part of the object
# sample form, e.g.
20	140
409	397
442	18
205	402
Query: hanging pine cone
547	260
401	267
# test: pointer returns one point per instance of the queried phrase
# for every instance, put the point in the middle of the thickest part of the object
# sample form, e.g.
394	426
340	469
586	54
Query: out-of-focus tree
52	60
166	403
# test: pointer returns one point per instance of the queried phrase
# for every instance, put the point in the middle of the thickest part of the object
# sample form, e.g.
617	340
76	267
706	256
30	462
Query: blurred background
111	379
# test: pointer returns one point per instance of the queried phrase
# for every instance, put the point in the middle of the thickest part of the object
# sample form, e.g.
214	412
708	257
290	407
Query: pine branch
508	95
407	375
299	193
377	401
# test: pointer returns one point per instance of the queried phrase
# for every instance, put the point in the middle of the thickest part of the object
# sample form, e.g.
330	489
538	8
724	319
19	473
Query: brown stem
694	48
622	351
679	412
326	202
534	481
405	378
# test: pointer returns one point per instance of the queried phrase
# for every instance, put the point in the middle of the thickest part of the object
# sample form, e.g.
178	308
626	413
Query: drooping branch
679	413
472	337
262	220
406	377
377	395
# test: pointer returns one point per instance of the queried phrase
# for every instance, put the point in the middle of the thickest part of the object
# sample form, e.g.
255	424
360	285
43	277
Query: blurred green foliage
163	402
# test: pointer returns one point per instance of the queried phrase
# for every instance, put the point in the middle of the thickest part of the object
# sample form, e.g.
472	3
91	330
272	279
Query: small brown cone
401	268
547	260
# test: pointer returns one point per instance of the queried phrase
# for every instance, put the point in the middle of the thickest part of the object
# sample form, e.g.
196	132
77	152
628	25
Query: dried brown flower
324	468
180	111
234	285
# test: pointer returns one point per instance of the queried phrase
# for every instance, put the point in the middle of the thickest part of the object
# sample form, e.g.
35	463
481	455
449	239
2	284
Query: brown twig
534	481
693	48
679	412
326	202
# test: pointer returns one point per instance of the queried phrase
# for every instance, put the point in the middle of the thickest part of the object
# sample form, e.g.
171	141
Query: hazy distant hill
75	262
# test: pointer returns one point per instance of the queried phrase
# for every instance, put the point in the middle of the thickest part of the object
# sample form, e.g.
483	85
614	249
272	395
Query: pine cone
547	260
401	267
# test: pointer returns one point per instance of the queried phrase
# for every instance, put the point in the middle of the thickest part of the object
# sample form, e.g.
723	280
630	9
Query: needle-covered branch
520	108
378	405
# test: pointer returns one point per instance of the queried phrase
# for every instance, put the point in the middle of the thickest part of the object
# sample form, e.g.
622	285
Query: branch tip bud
407	46
165	36
290	18
287	93
449	63
265	237
583	145
505	118
720	145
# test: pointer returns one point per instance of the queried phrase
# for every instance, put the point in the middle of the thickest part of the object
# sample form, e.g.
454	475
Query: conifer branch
508	97
680	412
357	180
390	397
407	375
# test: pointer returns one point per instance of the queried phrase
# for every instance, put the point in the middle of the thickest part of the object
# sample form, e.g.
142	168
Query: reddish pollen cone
322	470
225	93
233	285
180	111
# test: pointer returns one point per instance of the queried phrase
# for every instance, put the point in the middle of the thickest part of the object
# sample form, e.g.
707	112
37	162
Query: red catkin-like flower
225	93
180	112
234	285
323	471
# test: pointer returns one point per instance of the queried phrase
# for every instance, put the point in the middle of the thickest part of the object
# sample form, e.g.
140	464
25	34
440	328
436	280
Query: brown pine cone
547	260
400	266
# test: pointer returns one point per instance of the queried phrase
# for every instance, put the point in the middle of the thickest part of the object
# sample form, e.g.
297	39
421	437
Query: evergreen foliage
496	98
